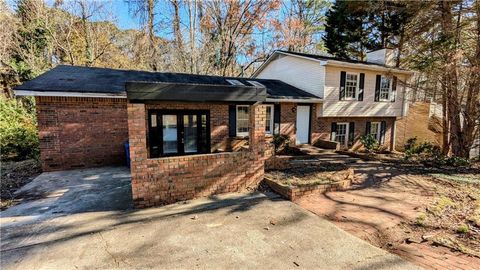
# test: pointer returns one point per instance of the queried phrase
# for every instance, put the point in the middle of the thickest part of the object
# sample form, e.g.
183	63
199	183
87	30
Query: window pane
169	125
190	133
341	134
203	142
351	85
374	129
268	120
385	88
242	120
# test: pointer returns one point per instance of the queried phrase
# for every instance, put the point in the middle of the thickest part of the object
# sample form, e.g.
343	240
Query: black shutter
383	128
362	86
394	88
276	119
367	128
377	87
232	120
343	77
351	133
334	131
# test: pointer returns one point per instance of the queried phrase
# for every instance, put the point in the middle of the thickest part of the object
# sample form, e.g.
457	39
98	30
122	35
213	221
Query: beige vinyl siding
332	106
304	74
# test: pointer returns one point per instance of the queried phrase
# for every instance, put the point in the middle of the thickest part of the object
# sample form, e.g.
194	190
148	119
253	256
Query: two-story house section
358	97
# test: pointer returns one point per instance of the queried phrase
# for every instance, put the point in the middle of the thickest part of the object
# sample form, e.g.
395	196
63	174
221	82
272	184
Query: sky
120	9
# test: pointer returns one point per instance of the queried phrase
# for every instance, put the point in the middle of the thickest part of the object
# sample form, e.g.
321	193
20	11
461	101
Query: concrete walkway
83	220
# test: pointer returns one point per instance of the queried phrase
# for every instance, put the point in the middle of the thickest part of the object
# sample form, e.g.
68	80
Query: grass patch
459	178
440	205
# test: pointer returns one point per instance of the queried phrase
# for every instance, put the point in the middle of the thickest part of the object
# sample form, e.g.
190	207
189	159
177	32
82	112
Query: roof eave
335	63
37	93
294	100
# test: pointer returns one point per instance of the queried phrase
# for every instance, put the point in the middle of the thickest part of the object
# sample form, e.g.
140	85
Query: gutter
67	94
310	100
123	95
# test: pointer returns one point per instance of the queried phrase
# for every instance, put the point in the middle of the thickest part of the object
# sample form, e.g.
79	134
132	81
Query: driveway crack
106	248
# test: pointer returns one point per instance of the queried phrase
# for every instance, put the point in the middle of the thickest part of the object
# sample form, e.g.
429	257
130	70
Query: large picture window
178	132
351	86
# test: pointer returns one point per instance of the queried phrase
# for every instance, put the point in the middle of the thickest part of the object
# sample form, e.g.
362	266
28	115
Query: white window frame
241	134
379	128
357	88
389	89
347	132
272	125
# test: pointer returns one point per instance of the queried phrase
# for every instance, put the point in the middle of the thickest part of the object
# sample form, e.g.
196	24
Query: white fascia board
335	63
310	100
66	94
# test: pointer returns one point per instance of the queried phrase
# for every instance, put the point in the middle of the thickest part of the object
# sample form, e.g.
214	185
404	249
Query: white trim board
66	94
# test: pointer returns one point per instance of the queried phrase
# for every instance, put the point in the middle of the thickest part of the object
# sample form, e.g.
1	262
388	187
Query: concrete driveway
83	220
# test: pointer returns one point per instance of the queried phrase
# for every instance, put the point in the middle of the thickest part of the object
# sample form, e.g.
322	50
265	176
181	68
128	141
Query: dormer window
351	86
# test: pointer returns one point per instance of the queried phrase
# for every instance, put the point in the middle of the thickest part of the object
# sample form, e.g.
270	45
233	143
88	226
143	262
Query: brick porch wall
323	128
81	132
165	180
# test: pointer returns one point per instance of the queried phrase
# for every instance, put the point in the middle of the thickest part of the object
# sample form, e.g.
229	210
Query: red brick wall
164	180
323	128
81	132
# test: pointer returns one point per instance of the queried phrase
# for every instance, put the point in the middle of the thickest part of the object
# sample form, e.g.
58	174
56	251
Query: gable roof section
106	82
330	60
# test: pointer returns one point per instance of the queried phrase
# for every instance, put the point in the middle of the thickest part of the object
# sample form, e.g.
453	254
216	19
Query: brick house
196	135
189	135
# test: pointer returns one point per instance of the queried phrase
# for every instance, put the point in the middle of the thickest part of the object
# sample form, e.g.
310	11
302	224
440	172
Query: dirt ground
14	175
428	217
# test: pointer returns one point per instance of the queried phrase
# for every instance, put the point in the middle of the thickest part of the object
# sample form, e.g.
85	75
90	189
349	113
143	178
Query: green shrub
463	228
431	154
18	132
457	161
369	142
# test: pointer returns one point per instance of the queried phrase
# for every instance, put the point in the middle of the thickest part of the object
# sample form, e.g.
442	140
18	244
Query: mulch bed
306	175
14	175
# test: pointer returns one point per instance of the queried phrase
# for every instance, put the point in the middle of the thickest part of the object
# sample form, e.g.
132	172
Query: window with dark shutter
232	120
367	128
377	87
383	128
361	86
394	89
351	133
334	131
343	76
276	119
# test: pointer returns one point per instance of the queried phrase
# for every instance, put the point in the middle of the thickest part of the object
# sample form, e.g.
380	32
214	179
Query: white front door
303	124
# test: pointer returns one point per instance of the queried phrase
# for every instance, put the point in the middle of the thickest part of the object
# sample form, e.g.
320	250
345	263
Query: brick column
137	137
257	116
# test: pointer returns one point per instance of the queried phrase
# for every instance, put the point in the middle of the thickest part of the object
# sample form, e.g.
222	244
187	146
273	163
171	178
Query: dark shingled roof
326	57
112	81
